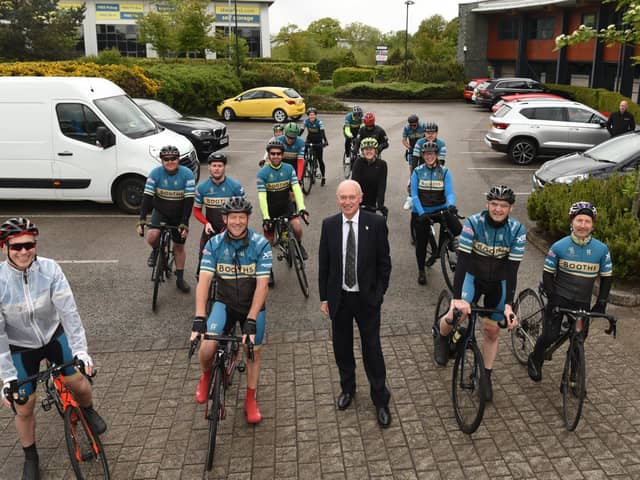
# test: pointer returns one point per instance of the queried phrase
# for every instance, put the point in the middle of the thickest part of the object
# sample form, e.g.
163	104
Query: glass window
126	116
508	29
122	37
252	95
579	115
589	20
269	95
291	93
541	28
78	121
160	111
554	114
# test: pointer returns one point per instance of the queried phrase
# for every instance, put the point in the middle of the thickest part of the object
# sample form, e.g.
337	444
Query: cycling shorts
222	320
27	361
157	218
494	294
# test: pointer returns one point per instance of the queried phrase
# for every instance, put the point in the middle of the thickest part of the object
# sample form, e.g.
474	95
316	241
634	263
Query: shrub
615	225
294	75
327	66
111	56
434	72
345	75
325	103
401	91
598	98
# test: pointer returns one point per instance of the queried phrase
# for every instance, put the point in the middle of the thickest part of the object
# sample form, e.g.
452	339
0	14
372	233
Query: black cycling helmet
237	205
501	192
582	208
431	127
275	144
169	151
312	110
413	118
278	127
429	147
357	109
217	157
291	130
16	226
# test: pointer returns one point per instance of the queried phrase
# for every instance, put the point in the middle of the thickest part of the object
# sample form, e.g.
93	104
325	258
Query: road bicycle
469	379
350	159
165	260
224	365
289	249
84	447
311	171
529	309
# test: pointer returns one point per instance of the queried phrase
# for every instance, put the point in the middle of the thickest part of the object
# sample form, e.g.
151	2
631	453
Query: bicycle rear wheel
448	261
468	387
573	384
84	447
529	309
432	247
298	263
346	165
158	277
214	411
307	176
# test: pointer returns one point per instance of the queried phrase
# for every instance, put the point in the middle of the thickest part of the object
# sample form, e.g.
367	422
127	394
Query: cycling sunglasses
16	247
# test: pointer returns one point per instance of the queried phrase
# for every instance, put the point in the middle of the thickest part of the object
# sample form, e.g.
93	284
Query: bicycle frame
579	322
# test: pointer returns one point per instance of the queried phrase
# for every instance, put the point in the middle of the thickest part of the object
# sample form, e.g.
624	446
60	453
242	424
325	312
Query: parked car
206	134
477	88
617	155
278	103
523	97
527	129
495	89
468	88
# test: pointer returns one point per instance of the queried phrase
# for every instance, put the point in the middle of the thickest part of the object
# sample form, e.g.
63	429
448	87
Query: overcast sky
386	15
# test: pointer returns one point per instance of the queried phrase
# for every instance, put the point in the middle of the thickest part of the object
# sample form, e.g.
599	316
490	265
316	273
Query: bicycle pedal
241	366
86	456
46	404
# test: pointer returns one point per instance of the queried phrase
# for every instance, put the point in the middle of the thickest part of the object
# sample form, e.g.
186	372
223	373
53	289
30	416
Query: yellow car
278	103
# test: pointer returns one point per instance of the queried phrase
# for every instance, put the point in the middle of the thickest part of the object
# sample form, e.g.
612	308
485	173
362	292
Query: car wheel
128	194
522	151
279	116
228	114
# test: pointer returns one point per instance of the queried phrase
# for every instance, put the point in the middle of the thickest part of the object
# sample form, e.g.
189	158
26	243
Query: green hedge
615	224
434	72
401	91
295	75
345	75
325	103
596	98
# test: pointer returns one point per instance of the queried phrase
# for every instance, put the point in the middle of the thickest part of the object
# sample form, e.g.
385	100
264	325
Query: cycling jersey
237	263
372	177
431	189
274	184
576	266
315	131
442	153
33	305
352	124
376	132
171	194
213	196
293	154
413	134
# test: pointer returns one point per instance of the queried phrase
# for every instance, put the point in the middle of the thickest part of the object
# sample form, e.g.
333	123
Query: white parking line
107	215
242	151
87	261
485	152
515	169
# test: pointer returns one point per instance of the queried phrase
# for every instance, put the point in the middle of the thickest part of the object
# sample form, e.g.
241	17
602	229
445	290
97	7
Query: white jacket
33	304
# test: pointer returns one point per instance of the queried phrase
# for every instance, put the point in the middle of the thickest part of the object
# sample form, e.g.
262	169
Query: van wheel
228	114
522	151
129	193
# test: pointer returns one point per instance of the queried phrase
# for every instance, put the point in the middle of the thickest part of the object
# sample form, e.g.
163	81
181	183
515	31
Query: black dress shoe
344	400
384	417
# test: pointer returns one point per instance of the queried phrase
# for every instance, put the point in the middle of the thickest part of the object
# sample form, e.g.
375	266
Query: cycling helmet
357	109
369	143
501	192
312	110
169	151
413	118
291	130
582	208
16	226
217	157
369	119
278	127
236	205
431	127
275	144
429	147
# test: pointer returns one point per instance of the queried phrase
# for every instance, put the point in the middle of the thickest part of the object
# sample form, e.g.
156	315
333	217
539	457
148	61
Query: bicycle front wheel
158	277
448	262
214	411
298	263
573	384
84	447
307	177
529	310
346	165
468	387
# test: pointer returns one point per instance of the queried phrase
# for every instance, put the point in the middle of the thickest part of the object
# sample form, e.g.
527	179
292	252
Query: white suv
527	129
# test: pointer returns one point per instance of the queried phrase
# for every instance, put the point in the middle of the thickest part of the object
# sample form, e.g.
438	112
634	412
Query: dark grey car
495	89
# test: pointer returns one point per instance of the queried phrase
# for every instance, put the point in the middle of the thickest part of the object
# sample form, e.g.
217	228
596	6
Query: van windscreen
126	116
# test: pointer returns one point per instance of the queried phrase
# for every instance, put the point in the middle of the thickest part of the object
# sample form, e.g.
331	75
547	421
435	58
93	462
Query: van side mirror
104	137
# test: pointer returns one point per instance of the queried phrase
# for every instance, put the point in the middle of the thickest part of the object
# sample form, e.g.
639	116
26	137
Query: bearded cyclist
370	171
293	148
352	123
369	129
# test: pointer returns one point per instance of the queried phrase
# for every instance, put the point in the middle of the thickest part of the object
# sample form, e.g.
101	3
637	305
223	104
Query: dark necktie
350	261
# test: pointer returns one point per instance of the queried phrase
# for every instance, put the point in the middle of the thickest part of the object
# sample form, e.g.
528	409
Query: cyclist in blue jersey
431	193
571	268
317	136
211	196
412	132
241	260
169	191
293	148
491	248
430	135
352	123
369	129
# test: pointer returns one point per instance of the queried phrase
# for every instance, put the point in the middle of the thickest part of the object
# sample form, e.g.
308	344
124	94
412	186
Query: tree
436	39
361	35
158	29
29	30
284	35
193	24
327	31
302	47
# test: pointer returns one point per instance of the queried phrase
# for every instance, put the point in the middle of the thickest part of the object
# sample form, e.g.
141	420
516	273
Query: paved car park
145	385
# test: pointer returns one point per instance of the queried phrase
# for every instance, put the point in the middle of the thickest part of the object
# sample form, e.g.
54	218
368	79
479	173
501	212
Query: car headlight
572	178
201	133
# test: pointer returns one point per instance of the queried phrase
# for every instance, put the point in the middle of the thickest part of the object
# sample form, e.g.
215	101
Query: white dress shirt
345	236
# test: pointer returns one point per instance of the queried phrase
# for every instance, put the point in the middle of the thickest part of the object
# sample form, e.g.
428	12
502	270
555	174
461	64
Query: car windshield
160	111
126	116
290	92
617	149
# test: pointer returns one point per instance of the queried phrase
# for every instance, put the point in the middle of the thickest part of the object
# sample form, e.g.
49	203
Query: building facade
112	24
517	37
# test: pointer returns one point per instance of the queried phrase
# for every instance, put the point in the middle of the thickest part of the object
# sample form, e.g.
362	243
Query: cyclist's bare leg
446	322
205	354
180	255
26	421
296	226
153	237
253	367
490	331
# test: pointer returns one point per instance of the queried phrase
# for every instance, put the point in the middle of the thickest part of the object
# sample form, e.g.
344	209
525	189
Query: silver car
525	130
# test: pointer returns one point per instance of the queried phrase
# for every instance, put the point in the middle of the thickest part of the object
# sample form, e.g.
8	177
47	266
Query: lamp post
406	39
235	7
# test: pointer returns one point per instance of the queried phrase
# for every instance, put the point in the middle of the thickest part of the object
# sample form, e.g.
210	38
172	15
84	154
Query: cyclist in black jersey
370	172
369	129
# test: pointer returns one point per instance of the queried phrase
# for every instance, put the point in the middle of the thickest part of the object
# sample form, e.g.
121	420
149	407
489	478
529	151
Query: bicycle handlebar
476	309
220	338
613	321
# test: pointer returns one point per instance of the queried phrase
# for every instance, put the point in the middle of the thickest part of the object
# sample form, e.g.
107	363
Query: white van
78	138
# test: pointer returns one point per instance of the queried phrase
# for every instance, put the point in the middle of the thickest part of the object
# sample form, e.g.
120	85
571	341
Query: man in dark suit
353	277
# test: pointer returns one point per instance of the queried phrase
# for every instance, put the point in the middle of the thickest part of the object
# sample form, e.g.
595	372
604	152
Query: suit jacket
373	262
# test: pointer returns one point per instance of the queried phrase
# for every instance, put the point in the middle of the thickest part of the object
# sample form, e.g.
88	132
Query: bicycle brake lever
194	345
250	350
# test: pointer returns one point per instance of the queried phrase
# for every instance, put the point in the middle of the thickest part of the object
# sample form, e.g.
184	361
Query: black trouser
318	149
368	320
552	326
423	232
